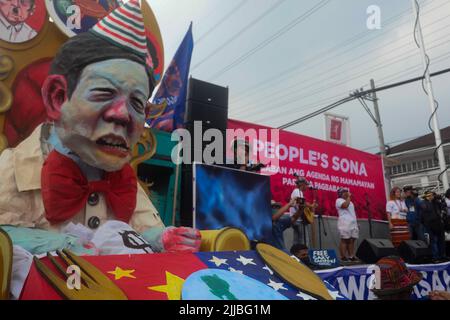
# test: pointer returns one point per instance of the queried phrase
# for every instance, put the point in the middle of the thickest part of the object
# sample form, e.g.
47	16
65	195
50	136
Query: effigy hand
181	239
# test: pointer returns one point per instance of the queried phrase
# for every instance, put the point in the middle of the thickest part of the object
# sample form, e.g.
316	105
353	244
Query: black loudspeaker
372	250
415	252
208	103
206	108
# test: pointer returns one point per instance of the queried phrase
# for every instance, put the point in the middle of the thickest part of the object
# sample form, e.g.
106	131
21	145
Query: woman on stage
397	211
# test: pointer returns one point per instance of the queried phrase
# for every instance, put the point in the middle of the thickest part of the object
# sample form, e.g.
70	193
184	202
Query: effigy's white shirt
16	34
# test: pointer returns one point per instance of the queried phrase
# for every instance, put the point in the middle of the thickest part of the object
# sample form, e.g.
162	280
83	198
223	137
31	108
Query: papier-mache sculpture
72	175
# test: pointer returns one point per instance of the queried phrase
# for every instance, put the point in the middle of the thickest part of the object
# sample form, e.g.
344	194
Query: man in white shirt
347	225
13	14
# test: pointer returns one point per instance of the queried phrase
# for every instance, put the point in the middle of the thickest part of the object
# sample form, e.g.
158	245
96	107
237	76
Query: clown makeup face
105	116
16	11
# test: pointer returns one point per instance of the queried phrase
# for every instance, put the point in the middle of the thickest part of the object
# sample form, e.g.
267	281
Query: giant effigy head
97	90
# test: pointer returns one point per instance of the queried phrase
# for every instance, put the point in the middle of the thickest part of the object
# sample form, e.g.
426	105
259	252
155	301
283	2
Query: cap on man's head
302	180
341	191
428	193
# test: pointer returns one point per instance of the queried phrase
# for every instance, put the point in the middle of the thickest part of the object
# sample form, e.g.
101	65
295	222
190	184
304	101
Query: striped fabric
124	27
399	232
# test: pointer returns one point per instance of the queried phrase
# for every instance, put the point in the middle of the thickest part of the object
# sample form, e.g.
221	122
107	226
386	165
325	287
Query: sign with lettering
355	283
323	258
328	166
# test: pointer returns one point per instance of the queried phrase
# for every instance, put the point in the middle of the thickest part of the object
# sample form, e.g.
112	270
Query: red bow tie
65	190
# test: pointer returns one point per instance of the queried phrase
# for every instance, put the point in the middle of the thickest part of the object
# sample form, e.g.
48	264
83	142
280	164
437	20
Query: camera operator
432	220
297	193
281	220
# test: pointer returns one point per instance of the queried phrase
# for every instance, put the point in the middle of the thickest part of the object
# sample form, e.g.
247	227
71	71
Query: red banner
326	165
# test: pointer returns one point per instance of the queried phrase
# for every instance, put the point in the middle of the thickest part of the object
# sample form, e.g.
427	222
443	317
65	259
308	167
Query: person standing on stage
432	220
412	202
347	225
297	194
397	211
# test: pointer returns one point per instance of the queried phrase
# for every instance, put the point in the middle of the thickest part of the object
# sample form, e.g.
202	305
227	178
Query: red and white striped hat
124	27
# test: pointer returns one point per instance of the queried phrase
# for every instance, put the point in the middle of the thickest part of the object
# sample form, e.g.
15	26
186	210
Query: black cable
291	71
297	97
383	87
285	91
269	40
238	34
355	96
221	21
436	103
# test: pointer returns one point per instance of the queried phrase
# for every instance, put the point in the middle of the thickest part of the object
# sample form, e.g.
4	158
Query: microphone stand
369	216
320	220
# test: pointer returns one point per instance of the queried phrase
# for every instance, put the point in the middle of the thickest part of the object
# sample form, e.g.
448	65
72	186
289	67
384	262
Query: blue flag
173	88
250	264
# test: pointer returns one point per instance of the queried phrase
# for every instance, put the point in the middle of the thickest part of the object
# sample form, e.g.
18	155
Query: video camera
440	201
300	201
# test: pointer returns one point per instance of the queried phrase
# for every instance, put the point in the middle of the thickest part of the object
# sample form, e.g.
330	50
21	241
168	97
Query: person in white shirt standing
13	14
347	225
397	212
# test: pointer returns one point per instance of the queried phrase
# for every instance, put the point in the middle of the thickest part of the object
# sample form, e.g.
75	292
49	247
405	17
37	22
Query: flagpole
431	100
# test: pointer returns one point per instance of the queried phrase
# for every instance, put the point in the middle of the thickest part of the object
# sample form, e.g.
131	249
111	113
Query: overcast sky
283	59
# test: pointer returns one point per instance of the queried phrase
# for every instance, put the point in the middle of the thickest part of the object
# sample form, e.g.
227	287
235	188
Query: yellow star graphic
119	273
172	288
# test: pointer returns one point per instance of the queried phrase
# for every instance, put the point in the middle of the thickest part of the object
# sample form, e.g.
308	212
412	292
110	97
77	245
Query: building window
394	170
414	166
419	165
404	168
425	164
430	163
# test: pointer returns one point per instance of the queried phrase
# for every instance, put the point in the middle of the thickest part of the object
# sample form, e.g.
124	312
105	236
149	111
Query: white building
415	162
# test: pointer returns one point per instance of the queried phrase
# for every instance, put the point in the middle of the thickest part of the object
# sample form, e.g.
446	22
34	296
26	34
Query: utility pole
378	122
371	95
431	100
380	134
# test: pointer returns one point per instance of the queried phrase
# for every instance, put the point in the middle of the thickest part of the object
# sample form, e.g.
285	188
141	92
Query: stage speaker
208	103
372	250
415	252
206	108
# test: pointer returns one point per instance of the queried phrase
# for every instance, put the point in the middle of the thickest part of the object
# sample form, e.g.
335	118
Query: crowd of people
410	217
424	218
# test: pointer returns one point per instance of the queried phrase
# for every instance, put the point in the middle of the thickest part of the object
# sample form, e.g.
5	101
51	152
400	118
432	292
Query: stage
330	236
